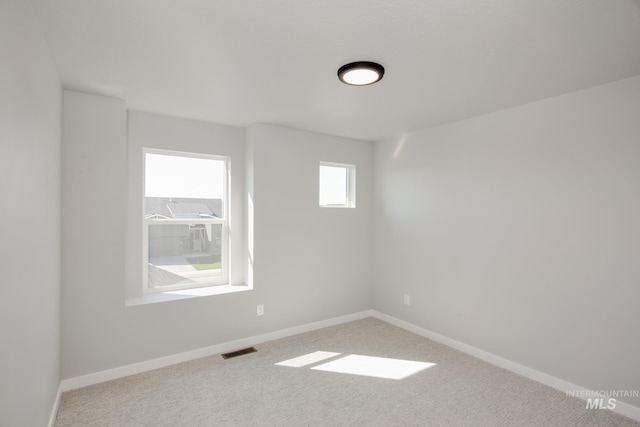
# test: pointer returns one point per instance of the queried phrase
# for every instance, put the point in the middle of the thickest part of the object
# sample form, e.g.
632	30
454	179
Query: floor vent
239	352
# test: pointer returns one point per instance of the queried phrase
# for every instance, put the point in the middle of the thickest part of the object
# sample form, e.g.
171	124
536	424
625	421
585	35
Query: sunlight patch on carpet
308	359
355	364
379	367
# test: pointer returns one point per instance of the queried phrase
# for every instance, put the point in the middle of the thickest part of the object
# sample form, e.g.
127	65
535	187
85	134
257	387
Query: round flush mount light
361	73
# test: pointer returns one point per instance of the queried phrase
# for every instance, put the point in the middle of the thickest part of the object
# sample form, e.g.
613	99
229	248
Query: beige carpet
252	390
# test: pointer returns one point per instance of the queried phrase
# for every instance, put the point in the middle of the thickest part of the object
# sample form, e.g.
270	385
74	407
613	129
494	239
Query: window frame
223	221
350	184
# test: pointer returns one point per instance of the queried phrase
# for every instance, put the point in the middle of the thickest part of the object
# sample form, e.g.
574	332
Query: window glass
185	229
337	185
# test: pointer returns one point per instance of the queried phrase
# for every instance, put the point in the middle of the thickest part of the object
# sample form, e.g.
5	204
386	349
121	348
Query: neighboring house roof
155	216
192	208
189	210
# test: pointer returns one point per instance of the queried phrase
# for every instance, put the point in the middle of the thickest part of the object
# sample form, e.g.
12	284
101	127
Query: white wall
310	263
30	111
94	326
303	279
518	232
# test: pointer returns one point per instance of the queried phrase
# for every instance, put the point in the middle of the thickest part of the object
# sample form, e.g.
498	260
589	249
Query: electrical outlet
407	300
260	310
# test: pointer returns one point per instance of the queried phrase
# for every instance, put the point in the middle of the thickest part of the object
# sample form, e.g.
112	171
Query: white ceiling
240	62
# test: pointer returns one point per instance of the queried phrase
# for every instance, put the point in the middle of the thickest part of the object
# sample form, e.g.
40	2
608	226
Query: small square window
337	185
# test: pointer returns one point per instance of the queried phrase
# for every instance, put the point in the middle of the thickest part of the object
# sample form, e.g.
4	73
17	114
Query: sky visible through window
184	177
333	185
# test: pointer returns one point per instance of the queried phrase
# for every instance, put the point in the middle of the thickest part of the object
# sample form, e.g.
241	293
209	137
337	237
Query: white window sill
155	297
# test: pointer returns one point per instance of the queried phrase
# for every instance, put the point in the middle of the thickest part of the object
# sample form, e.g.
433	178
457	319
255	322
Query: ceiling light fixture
361	73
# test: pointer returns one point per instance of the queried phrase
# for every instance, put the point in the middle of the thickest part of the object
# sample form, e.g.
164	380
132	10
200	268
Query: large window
185	221
337	185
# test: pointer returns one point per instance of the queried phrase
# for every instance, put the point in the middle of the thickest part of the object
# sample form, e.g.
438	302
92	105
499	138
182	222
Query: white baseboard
621	408
161	362
56	405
